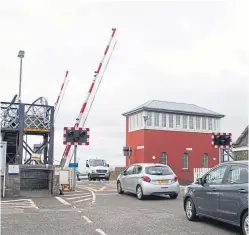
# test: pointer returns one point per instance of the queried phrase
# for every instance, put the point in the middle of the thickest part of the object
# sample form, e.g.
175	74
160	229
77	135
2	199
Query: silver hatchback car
146	179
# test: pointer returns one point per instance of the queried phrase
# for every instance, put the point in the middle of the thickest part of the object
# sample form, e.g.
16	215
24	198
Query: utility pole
21	56
74	169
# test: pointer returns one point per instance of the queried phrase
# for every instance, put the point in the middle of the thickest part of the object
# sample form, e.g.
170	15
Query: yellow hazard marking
96	189
36	130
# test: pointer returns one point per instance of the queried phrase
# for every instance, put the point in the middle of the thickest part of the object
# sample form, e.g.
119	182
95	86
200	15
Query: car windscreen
158	170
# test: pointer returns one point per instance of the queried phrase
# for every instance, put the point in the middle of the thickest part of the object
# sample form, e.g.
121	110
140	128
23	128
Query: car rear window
158	170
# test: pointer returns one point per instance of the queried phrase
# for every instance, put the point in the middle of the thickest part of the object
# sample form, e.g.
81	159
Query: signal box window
156	119
205	161
163	159
185	161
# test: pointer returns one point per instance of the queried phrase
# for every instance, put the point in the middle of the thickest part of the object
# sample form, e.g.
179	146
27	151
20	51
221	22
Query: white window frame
185	122
205	159
185	158
164	118
171	116
163	158
149	121
156	119
198	120
210	124
191	121
204	123
215	124
178	121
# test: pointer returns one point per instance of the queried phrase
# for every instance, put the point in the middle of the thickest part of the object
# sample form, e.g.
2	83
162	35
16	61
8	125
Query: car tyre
139	193
107	179
190	209
244	224
89	177
119	188
173	196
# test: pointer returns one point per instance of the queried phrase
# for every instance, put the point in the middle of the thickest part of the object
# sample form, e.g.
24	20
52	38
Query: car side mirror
200	181
124	173
87	165
108	165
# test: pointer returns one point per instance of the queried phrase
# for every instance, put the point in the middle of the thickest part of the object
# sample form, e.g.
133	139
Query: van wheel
190	209
244	224
140	194
89	177
119	188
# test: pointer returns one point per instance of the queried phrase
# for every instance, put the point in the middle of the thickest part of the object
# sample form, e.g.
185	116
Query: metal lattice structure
19	119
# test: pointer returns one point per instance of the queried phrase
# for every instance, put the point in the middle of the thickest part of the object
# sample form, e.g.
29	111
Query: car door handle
243	191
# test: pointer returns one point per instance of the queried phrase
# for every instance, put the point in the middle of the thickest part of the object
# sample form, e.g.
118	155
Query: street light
20	55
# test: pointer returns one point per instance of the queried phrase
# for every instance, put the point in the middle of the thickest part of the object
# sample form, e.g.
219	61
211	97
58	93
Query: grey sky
193	52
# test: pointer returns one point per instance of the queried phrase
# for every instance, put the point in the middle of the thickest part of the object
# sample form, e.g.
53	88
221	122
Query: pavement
104	212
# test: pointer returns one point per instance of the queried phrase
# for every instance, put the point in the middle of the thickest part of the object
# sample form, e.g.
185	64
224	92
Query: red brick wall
174	143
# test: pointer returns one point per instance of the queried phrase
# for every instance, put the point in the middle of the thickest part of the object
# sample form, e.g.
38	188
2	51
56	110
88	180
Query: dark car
221	194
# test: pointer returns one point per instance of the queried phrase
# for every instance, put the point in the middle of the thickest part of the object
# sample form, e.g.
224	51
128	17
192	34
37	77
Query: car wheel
140	194
173	196
89	177
244	224
119	188
190	209
107	179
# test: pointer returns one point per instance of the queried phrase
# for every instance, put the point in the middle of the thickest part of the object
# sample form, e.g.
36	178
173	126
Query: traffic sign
73	165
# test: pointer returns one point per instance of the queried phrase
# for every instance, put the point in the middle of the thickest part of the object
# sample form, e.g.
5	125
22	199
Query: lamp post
21	56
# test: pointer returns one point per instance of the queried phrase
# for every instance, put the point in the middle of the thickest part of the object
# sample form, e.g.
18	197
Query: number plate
163	181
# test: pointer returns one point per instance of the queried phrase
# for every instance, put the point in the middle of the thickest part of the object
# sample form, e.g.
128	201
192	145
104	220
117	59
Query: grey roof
243	139
173	107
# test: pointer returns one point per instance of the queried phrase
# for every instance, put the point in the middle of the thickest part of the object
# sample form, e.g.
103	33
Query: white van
97	169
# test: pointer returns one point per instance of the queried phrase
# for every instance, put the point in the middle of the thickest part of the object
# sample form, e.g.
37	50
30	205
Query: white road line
86	199
63	201
100	231
93	196
86	219
68	195
71	198
16	200
18	206
19	203
106	194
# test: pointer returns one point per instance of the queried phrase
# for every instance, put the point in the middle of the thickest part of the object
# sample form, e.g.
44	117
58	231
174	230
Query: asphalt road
105	213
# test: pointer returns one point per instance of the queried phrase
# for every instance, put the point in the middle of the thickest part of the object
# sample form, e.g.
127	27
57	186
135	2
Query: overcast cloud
192	52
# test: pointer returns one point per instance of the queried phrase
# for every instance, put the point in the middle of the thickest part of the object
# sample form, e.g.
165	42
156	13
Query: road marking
100	231
63	201
71	198
86	199
97	189
68	195
16	200
106	194
86	219
93	196
18	203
